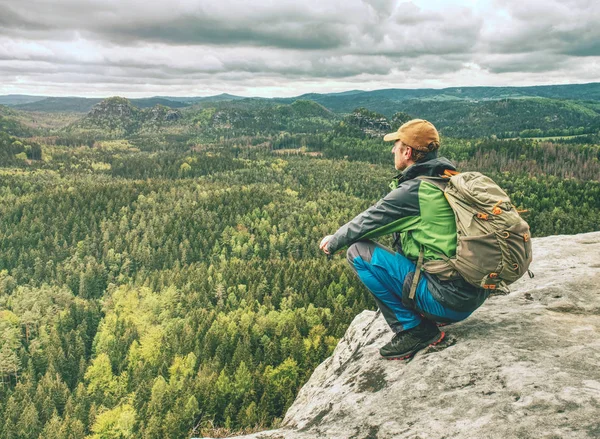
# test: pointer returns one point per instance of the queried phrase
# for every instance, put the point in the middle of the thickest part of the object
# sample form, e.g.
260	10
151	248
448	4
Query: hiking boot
405	344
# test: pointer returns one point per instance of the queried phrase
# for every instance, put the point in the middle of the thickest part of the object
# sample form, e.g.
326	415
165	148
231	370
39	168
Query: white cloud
135	48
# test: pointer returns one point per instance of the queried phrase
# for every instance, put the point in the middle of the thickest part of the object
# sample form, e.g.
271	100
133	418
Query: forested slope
509	117
389	101
169	285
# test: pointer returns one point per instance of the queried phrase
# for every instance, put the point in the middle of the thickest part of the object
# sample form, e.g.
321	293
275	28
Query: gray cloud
266	47
190	30
207	22
568	27
524	62
382	26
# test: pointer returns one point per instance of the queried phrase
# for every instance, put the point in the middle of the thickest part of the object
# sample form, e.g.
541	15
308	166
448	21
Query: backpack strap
396	241
440	182
415	279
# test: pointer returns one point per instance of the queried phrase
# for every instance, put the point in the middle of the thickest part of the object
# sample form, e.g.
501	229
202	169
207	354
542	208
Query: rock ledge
525	365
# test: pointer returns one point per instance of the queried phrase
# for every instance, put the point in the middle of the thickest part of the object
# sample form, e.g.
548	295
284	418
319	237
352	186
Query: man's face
402	155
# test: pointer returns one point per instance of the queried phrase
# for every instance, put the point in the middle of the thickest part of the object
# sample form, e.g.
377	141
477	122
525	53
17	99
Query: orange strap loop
449	173
520	211
496	209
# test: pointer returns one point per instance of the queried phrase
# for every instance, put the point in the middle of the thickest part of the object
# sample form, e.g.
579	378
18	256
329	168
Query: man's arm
398	210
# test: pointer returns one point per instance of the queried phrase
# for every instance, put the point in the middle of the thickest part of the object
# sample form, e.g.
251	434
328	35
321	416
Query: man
418	213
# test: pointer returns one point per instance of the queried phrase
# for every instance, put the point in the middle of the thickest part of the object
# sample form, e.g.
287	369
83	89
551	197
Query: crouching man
417	212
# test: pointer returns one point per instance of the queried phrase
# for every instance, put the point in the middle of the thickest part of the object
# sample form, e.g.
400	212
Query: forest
160	275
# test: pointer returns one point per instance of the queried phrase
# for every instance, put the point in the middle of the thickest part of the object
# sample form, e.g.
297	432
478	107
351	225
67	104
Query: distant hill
527	117
60	105
192	100
19	99
384	101
387	101
151	102
506	118
9	123
252	116
83	105
117	116
560	110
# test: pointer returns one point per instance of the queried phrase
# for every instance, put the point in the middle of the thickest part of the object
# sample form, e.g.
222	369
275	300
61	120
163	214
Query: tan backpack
493	241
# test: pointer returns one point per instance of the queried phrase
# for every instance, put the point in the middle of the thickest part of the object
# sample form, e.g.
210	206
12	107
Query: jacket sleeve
398	210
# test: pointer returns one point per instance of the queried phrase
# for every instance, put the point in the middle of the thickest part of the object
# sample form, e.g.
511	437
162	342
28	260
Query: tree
117	423
103	386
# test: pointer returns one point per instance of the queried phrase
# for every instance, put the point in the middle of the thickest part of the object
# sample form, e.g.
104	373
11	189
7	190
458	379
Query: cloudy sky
140	48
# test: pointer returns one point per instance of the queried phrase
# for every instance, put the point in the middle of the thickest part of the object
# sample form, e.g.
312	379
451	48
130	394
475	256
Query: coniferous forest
160	275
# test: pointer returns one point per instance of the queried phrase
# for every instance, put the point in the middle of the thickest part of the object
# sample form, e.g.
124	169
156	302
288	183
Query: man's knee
364	249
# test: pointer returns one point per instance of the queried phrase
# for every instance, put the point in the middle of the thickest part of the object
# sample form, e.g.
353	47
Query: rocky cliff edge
524	365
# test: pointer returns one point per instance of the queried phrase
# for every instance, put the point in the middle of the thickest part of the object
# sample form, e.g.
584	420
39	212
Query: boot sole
437	339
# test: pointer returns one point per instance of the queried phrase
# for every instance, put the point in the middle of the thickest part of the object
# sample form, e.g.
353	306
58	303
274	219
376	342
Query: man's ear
409	152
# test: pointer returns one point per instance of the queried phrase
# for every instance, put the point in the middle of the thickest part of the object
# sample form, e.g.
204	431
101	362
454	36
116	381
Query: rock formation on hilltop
115	107
525	365
160	113
118	116
370	123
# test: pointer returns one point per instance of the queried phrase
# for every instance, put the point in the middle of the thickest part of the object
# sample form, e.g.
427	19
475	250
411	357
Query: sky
269	48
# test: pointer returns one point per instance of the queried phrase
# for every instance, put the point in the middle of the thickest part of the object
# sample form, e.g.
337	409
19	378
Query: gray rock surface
524	365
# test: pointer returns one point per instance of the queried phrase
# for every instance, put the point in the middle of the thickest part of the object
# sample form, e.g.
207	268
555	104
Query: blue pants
383	272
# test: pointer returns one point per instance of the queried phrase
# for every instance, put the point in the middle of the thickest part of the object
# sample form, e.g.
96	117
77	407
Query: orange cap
416	133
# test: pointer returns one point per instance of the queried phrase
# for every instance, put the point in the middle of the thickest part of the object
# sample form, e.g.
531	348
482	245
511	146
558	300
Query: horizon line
303	94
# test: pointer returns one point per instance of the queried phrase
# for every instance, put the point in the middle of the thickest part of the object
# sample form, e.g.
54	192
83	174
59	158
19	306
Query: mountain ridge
344	101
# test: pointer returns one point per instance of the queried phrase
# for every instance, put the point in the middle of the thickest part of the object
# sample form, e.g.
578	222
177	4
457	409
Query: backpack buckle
483	216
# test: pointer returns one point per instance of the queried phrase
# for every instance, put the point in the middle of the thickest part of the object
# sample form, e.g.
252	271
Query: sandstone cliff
525	365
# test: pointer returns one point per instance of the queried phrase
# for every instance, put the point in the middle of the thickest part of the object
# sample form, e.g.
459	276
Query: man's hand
324	242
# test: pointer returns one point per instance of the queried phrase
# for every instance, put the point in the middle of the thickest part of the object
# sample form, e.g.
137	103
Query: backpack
493	242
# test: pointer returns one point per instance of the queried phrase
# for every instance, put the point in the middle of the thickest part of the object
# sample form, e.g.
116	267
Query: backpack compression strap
415	280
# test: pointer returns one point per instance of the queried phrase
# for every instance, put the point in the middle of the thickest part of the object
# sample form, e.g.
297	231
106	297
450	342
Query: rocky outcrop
115	107
370	123
118	116
524	365
160	114
114	115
